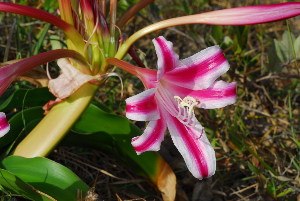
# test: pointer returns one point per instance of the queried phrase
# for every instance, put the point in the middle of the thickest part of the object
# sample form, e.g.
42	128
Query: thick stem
55	125
65	9
112	28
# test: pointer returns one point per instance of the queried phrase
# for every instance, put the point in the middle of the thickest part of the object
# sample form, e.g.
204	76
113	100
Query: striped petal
167	58
152	137
194	147
4	125
142	107
200	70
220	94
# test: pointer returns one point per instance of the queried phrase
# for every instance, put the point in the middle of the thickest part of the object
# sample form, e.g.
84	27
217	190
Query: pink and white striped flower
172	93
4	125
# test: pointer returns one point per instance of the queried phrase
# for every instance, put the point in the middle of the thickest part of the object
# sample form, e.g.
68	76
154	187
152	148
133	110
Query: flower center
186	113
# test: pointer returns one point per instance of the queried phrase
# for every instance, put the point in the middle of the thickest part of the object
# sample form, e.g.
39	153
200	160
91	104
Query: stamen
186	113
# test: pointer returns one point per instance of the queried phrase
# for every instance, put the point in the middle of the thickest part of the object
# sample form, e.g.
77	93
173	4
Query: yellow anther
186	109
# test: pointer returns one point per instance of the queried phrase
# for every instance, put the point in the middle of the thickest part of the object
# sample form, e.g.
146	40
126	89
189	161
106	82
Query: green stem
55	125
292	45
112	28
291	40
291	115
151	28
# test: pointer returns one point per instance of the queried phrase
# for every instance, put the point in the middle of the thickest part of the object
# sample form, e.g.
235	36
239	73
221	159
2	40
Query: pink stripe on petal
167	58
148	78
194	146
152	137
200	70
142	107
220	94
4	125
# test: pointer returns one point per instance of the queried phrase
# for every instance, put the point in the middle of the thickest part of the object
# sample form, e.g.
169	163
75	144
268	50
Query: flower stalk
56	124
232	16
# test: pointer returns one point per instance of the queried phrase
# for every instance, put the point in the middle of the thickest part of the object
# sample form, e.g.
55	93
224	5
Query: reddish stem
134	70
34	13
132	11
9	72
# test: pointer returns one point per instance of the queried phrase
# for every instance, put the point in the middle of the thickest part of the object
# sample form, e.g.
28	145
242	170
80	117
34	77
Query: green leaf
56	42
99	129
15	185
187	8
47	176
217	32
41	37
50	5
113	133
124	5
22	98
297	47
284	193
21	123
281	51
95	120
275	57
253	168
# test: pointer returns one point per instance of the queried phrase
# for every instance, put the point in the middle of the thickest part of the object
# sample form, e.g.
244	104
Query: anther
186	110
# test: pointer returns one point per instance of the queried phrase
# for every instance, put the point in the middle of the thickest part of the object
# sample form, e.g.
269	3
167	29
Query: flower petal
152	137
4	125
220	94
167	58
194	147
200	70
143	106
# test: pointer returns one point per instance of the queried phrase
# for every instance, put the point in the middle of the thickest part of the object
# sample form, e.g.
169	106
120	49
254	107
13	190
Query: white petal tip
4	131
4	125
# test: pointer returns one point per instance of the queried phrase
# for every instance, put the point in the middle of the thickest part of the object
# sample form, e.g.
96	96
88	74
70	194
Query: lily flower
172	92
4	125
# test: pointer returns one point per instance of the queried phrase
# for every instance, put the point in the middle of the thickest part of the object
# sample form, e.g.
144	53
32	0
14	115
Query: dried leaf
166	181
69	80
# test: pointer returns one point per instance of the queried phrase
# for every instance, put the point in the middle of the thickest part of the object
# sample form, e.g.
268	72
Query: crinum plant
95	45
